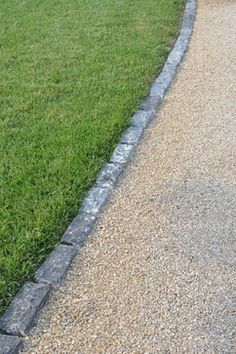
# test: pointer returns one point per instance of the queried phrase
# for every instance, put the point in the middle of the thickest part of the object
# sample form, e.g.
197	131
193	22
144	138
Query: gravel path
158	275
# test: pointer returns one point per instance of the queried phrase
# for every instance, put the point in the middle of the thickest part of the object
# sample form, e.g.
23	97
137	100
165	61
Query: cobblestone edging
24	308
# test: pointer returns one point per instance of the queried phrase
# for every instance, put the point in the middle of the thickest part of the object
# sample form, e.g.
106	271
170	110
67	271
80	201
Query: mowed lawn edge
73	72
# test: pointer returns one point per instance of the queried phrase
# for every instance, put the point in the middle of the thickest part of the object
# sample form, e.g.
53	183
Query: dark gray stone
185	33
19	316
9	344
95	200
141	118
78	230
151	103
187	24
122	153
167	75
109	175
54	268
132	135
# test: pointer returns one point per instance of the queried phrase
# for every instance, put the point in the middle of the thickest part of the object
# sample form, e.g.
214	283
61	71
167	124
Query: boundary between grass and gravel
19	317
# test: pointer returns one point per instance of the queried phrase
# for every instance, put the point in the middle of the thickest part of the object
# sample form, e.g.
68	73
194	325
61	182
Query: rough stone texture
175	57
23	309
54	268
95	200
165	78
109	175
142	118
151	103
132	135
9	344
158	275
122	154
158	88
78	230
179	49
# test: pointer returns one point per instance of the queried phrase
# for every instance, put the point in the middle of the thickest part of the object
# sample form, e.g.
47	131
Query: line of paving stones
24	308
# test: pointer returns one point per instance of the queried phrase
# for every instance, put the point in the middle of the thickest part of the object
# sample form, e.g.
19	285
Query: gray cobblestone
79	228
132	135
109	175
54	268
9	344
23	309
95	200
142	118
122	153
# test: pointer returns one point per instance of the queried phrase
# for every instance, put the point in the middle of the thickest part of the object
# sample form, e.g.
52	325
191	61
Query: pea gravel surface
158	274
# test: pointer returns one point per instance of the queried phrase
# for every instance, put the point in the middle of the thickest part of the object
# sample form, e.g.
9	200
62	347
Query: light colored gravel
158	275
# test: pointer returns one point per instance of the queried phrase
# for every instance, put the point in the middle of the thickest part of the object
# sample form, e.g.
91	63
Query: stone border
24	308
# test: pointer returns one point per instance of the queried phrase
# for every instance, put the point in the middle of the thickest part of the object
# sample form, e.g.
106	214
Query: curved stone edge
25	306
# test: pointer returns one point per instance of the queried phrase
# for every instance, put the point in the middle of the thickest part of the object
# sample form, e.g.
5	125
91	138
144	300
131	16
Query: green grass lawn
72	73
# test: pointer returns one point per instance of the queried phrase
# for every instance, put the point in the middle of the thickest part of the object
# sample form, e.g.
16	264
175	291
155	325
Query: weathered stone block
109	175
122	154
54	268
132	135
19	316
95	200
9	344
142	117
157	90
78	230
